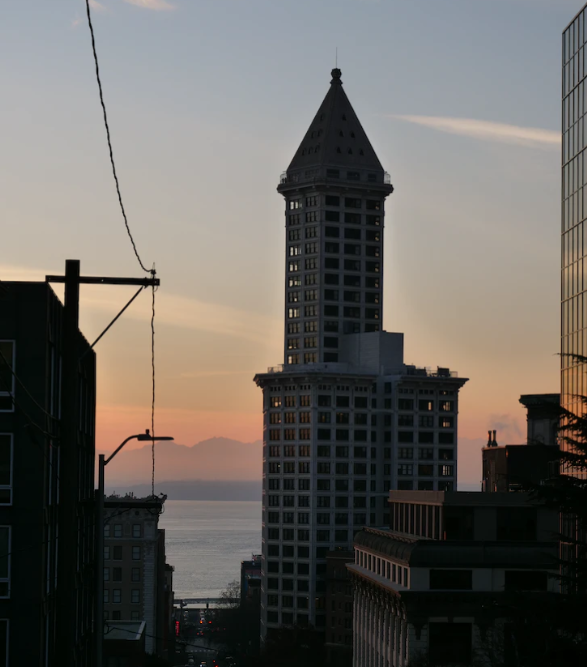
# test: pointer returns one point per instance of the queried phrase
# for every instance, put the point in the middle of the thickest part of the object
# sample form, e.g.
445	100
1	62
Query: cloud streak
484	130
154	5
172	309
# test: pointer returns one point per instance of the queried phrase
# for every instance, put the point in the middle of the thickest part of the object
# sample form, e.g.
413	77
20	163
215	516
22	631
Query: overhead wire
152	271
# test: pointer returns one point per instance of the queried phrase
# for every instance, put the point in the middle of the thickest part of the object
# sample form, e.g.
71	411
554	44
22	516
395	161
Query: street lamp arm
142	437
115	452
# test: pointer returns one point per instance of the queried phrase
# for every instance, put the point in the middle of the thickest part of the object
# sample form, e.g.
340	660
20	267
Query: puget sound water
206	541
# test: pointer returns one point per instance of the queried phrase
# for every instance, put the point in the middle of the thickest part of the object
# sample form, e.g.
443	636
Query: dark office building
33	479
516	466
339	608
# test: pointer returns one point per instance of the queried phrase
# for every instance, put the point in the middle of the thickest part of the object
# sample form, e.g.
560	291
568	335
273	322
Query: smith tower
345	420
334	190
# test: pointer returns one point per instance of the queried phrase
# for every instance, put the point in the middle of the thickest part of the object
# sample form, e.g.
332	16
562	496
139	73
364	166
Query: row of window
383	567
303	535
333	264
274	484
361	418
425	470
350	280
135	574
333	248
324	400
333	200
116	597
349	296
332	232
116	530
116	553
340	502
289	618
303	518
116	615
333	311
360	435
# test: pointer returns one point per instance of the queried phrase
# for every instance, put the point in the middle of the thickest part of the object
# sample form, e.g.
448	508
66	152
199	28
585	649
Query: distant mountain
213	459
196	489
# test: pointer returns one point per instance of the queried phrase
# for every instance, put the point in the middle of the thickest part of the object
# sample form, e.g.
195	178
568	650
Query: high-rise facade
574	239
345	419
574	211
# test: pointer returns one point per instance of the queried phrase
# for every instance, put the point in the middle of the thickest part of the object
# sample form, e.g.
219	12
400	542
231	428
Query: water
206	540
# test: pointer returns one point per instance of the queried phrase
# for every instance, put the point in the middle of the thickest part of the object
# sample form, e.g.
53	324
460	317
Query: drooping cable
153	390
136	252
105	115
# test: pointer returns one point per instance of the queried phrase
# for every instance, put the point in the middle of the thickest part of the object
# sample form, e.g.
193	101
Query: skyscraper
574	241
343	416
574	211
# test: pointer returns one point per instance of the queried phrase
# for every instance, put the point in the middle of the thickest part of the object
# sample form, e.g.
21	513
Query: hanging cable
130	236
134	247
154	289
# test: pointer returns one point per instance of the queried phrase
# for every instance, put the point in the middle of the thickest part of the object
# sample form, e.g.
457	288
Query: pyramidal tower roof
335	137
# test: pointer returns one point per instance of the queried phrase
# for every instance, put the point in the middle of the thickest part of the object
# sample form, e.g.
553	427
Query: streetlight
102	463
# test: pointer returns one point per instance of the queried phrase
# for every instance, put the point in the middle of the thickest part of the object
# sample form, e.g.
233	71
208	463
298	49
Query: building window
134	616
106	596
136	530
116	574
454	580
135	595
6	377
6	453
5	549
116	616
135	574
136	553
116	553
405	469
116	595
445	470
106	553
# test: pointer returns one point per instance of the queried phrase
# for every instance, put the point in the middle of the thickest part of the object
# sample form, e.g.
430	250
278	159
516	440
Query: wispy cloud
97	6
172	309
484	130
154	5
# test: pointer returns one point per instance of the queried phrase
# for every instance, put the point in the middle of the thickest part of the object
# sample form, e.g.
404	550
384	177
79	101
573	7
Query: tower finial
336	73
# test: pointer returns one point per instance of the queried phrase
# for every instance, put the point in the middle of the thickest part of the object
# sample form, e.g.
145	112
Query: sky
208	101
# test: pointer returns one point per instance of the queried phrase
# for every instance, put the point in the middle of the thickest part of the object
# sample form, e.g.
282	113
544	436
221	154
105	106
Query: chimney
488	438
494	443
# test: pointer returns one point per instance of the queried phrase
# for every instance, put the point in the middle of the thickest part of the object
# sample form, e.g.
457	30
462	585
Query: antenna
336	57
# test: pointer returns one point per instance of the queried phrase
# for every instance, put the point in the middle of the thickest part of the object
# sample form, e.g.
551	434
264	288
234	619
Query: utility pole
70	537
